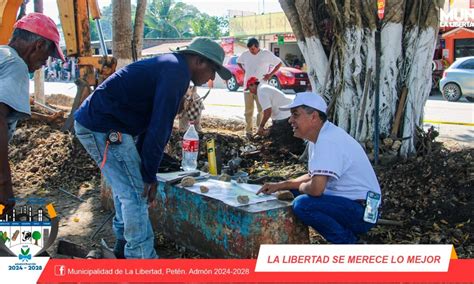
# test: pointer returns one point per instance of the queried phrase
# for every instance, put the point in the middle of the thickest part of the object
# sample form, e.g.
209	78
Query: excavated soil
429	196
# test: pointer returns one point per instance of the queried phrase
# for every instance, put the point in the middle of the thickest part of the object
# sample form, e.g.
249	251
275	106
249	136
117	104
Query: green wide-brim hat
211	50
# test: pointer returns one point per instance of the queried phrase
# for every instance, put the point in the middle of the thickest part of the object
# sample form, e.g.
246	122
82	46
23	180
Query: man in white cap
332	196
34	39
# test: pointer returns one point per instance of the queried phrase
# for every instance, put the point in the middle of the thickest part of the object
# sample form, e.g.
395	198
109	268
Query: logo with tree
28	230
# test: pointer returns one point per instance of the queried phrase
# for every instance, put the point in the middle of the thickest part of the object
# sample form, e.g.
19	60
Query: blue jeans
339	220
131	223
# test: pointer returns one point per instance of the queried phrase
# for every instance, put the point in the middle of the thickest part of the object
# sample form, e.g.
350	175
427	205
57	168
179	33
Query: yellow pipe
211	156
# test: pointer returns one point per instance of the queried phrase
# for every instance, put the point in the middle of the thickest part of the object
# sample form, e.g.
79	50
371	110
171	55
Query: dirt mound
231	125
59	100
44	158
432	196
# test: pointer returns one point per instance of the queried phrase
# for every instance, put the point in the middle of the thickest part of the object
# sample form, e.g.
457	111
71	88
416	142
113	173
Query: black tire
274	82
232	84
470	99
452	92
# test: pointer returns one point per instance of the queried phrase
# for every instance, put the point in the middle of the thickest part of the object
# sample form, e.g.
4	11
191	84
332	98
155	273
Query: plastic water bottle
190	148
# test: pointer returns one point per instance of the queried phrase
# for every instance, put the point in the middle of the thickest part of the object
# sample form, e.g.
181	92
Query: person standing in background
259	63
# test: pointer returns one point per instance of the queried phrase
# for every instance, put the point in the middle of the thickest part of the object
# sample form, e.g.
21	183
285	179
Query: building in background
458	42
272	30
456	30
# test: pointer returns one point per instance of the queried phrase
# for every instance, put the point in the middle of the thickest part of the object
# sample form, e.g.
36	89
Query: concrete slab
216	230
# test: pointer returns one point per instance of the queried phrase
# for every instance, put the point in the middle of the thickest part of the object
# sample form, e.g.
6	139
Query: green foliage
210	26
167	19
93	30
170	19
105	23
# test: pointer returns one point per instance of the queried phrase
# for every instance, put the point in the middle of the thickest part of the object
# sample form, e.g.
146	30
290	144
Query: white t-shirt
14	86
337	155
271	97
258	65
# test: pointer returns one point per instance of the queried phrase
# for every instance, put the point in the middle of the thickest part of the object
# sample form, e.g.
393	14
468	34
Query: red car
285	78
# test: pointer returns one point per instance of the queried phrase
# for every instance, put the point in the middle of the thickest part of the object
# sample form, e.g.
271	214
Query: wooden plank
368	78
66	15
399	113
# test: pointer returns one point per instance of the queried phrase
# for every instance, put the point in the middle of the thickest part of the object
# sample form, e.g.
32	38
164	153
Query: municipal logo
28	230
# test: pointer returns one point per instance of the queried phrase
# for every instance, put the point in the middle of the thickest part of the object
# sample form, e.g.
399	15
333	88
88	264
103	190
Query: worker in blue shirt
141	101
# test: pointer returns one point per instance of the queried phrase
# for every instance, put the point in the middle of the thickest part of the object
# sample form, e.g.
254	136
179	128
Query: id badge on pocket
372	203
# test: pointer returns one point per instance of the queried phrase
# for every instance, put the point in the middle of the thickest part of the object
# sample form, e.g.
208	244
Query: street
454	120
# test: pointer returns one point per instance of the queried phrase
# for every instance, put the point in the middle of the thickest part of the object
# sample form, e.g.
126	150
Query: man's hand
269	188
150	192
262	131
267	77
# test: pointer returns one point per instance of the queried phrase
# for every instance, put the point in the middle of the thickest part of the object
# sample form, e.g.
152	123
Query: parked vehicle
458	80
285	78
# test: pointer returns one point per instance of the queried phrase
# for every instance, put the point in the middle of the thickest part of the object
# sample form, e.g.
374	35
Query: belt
361	202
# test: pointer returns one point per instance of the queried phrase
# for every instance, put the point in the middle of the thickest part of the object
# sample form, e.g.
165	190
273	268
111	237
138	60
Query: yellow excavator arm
8	12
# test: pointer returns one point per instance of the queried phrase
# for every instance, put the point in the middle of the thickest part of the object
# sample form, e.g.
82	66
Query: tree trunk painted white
408	35
317	61
420	53
391	37
122	32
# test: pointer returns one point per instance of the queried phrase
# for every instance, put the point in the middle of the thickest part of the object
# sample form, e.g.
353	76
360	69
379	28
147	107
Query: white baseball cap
310	99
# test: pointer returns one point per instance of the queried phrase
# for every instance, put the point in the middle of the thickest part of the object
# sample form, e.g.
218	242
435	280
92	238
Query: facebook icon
60	270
